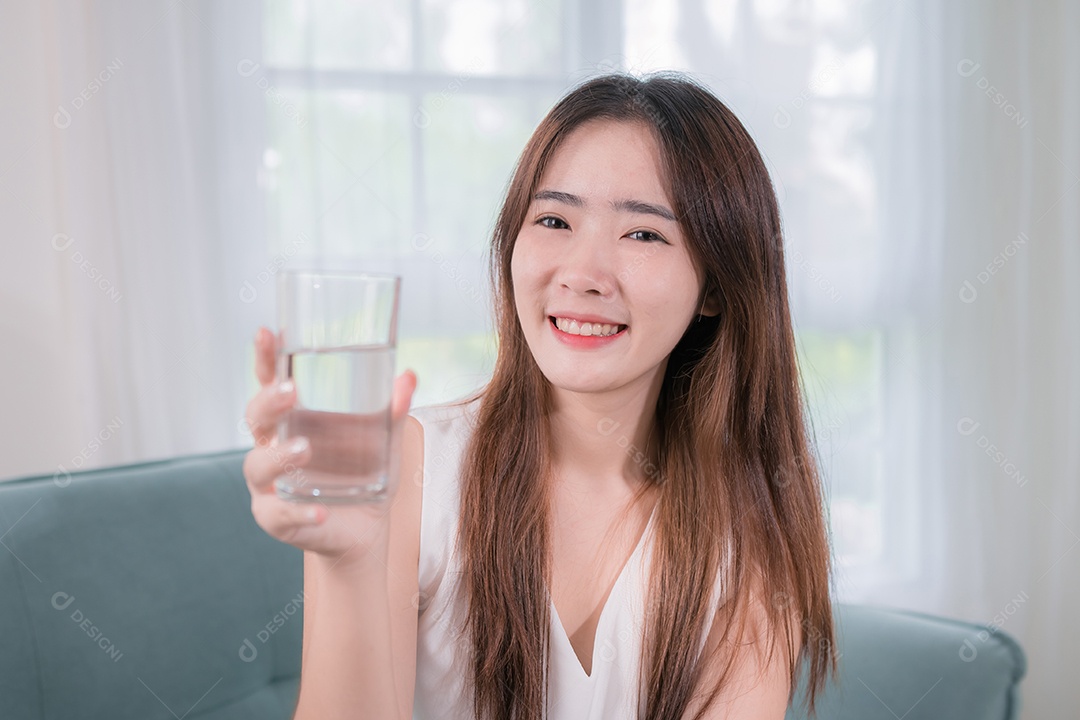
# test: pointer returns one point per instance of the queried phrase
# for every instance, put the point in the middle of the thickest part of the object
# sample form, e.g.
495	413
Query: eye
550	221
647	236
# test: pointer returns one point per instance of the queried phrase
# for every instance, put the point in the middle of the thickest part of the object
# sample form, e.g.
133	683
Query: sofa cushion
145	591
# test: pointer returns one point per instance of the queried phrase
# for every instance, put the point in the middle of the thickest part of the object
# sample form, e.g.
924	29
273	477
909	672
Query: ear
710	305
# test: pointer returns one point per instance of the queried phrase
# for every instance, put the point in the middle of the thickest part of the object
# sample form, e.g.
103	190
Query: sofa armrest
898	664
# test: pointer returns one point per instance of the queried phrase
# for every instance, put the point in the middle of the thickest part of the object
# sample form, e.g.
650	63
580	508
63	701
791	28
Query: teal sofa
148	592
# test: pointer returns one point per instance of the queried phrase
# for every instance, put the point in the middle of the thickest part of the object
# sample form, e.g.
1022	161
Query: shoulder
746	656
459	415
436	437
441	432
451	413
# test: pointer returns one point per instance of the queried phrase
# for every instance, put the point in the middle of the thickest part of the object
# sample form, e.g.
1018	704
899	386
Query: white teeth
572	327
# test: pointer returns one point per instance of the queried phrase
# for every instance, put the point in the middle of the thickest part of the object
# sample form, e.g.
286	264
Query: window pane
492	37
829	204
653	36
285	33
344	176
774	49
288	171
471	143
362	145
447	368
338	34
842	376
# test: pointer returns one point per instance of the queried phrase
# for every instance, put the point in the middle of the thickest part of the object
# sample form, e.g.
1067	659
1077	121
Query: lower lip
584	341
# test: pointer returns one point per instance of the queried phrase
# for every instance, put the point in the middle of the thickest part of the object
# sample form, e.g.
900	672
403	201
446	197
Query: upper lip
584	318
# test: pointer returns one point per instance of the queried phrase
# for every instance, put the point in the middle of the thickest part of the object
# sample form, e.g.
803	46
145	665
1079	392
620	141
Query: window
802	78
393	129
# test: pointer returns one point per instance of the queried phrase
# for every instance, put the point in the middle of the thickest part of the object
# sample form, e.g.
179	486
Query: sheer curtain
982	157
131	145
1007	412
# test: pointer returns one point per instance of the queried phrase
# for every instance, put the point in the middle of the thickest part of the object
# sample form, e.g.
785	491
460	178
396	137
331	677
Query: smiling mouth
573	327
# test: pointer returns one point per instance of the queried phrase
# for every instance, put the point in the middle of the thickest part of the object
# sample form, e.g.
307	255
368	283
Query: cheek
522	271
517	277
669	292
526	266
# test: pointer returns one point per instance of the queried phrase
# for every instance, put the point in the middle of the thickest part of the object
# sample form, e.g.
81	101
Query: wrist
368	555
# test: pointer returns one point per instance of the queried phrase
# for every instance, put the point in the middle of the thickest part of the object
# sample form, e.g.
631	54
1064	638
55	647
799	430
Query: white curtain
160	160
978	182
133	219
1002	466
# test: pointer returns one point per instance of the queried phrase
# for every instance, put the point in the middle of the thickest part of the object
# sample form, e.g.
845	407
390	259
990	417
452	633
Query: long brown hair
737	486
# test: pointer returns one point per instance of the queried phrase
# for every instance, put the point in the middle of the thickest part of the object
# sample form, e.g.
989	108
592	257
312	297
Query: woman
627	521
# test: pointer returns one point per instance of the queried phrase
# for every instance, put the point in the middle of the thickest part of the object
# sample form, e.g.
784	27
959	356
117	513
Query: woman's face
603	281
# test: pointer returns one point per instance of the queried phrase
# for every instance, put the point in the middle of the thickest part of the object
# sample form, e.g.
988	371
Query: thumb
404	385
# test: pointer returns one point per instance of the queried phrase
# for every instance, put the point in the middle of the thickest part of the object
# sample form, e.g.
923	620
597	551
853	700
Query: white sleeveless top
442	653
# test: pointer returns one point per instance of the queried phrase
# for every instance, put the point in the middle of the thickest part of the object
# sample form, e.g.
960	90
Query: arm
360	616
405	554
360	561
759	686
347	670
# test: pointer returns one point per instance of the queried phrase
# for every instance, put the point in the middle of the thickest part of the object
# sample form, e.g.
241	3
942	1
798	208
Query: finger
404	385
264	356
284	519
265	464
265	409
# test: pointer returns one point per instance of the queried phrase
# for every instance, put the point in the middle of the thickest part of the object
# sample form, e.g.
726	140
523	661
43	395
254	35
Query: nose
586	269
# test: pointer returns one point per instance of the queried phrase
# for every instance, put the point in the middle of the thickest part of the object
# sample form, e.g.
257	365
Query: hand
329	530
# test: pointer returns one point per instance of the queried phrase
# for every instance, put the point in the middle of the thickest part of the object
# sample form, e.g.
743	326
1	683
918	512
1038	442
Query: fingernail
297	445
286	387
312	514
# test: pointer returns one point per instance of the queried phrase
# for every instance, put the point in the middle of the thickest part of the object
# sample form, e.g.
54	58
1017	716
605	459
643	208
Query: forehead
608	159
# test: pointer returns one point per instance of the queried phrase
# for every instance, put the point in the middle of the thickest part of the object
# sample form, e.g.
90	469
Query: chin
573	380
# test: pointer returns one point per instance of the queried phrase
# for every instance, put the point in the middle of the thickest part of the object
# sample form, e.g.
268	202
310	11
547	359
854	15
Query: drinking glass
337	332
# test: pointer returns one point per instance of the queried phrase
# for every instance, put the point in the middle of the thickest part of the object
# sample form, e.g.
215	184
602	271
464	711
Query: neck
601	440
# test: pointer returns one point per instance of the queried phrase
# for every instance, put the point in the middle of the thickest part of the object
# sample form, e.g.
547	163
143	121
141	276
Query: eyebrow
632	206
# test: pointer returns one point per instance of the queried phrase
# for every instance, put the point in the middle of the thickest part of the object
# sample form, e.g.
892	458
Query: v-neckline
615	586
